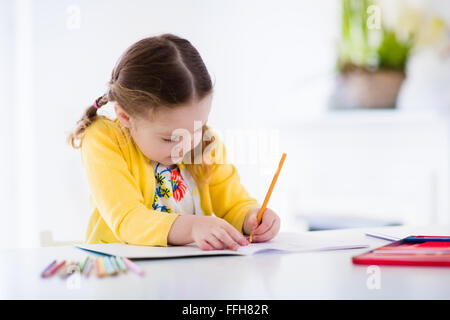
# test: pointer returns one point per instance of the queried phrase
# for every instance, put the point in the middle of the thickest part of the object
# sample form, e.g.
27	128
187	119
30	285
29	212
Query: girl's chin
169	161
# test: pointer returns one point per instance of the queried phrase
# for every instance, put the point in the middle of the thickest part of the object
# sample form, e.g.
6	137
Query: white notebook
283	243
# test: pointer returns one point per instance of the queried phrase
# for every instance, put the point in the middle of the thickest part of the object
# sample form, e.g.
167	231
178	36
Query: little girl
157	173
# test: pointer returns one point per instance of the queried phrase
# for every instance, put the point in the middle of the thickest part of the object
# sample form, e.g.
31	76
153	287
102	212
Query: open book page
299	242
283	242
148	252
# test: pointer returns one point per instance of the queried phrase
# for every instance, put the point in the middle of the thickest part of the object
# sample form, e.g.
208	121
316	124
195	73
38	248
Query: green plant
392	53
362	47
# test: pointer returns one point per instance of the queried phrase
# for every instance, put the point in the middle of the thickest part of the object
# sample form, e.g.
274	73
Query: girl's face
171	133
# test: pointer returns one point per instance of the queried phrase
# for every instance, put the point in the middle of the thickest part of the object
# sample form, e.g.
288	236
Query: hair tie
96	105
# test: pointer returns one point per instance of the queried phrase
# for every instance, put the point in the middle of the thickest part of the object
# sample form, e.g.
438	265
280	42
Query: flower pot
361	88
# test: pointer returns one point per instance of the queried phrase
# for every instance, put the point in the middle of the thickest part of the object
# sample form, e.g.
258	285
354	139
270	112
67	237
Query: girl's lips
179	156
173	160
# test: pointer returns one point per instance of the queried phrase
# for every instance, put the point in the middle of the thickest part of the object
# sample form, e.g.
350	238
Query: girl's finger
261	237
226	239
275	228
214	242
252	222
204	245
270	234
235	235
266	224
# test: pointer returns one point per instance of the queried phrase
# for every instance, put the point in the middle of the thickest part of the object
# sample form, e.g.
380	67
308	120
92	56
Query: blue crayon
108	266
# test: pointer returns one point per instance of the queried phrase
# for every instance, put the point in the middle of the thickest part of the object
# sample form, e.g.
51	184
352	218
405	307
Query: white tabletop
314	275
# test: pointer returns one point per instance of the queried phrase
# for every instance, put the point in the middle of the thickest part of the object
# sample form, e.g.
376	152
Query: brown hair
157	71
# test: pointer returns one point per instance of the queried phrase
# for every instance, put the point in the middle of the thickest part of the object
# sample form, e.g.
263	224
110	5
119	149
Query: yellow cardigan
122	186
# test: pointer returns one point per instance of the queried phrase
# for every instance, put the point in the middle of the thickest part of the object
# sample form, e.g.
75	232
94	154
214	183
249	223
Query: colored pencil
121	265
99	268
101	264
381	236
69	269
109	268
114	264
54	269
62	271
132	266
425	238
44	273
83	265
269	193
88	268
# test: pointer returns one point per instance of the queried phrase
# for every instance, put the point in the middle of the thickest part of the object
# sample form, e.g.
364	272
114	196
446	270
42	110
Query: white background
273	65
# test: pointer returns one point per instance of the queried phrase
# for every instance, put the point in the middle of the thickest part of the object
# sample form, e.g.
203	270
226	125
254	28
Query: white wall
272	63
7	169
255	51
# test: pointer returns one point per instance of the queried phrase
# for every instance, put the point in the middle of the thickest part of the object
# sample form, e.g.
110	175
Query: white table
314	275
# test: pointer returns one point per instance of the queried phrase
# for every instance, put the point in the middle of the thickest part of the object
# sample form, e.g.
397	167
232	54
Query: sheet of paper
299	242
147	252
284	242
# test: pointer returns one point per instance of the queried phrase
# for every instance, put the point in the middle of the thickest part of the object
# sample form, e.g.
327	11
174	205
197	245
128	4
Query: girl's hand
268	229
213	233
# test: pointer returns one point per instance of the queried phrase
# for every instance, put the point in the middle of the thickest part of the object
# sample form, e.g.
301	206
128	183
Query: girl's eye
167	140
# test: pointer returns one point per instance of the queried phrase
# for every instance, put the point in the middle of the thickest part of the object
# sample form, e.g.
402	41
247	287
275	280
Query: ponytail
89	116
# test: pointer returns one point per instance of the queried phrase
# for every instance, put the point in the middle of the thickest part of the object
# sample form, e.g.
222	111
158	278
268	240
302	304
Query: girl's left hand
268	229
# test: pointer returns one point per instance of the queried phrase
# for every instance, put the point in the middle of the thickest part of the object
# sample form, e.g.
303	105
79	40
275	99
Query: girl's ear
123	117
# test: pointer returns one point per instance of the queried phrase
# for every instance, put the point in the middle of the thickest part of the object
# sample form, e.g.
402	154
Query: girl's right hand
213	233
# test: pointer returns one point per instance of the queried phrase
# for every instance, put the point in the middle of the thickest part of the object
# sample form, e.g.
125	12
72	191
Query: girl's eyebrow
168	134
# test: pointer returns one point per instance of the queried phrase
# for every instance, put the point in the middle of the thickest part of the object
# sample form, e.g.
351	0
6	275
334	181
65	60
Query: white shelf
359	118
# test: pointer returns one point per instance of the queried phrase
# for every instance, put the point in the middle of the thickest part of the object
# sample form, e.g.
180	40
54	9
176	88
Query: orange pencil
269	193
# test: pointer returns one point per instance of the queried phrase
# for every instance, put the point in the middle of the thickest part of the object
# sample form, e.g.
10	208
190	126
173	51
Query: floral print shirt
175	190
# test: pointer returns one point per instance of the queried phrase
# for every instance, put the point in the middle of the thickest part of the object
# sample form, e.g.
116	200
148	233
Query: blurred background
356	92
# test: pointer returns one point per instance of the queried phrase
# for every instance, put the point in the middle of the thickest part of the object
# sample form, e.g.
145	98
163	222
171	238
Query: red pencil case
409	253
